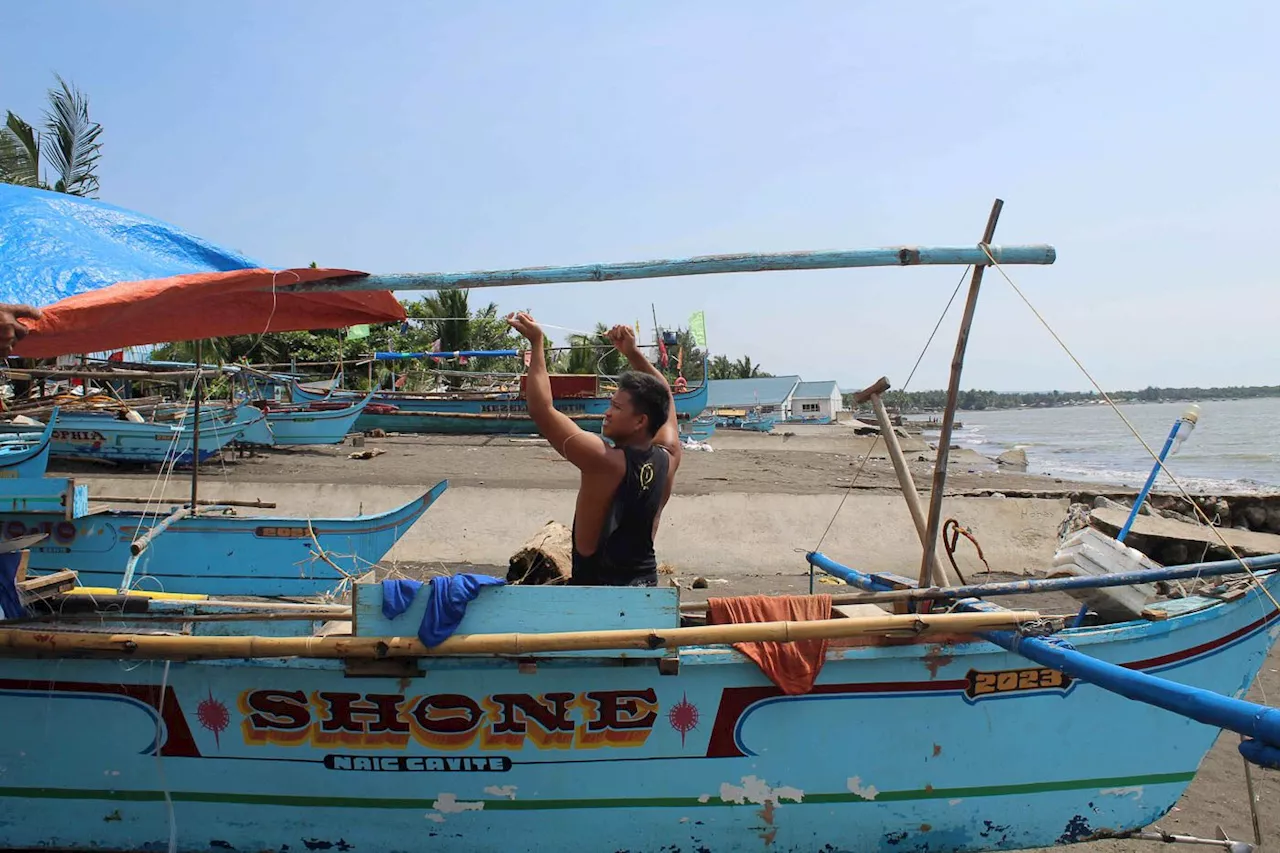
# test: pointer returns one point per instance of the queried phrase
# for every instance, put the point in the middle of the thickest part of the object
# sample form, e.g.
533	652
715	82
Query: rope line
876	439
1176	482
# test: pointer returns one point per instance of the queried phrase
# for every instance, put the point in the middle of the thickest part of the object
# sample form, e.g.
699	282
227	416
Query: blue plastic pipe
1261	725
466	353
853	577
1151	481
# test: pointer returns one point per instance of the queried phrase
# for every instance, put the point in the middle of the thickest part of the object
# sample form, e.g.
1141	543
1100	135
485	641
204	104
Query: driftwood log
547	558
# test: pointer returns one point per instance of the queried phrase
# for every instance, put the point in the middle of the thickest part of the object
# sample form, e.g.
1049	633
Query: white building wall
815	407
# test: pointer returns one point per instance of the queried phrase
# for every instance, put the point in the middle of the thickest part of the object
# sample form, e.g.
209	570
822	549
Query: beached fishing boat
502	413
741	419
593	747
607	718
26	454
103	436
215	552
312	425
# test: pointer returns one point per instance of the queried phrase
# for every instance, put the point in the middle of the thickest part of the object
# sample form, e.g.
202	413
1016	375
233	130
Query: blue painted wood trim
533	610
899	256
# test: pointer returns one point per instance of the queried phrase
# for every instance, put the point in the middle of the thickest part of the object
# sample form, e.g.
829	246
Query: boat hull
440	423
105	437
450	416
902	747
30	459
325	426
217	554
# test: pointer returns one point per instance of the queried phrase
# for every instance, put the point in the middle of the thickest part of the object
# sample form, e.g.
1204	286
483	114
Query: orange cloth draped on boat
793	667
201	305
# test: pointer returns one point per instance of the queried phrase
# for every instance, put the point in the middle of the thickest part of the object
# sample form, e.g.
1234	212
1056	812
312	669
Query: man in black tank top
623	487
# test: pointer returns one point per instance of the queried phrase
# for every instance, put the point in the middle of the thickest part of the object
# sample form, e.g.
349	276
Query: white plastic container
1090	552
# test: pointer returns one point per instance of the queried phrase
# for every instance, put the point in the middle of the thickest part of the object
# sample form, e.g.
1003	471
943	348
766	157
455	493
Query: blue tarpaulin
54	245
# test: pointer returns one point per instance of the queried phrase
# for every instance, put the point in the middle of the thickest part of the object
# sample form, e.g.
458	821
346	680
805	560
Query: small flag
116	356
528	357
680	360
698	328
404	327
662	350
356	333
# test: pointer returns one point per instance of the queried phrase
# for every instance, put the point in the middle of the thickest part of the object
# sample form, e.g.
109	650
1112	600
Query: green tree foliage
69	144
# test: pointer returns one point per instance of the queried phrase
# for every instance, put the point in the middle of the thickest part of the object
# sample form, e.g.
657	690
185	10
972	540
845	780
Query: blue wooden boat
215	552
247	421
592	718
751	421
339	736
106	437
502	413
26	454
299	425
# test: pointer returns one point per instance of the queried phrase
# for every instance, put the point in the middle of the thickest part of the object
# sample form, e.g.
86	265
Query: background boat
215	552
313	425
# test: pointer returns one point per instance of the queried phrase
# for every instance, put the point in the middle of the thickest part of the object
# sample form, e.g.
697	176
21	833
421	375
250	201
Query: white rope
1176	482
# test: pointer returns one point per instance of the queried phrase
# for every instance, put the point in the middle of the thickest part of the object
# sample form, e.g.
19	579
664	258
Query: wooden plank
46	585
1162	610
44	495
856	611
533	610
1248	543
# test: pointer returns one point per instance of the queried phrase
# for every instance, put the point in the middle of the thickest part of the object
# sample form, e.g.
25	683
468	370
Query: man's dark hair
649	396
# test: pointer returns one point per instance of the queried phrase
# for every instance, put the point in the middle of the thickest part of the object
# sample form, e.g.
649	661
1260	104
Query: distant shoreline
1061	402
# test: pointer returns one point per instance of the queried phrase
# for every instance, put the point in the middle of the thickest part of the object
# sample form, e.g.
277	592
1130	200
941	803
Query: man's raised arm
587	454
623	338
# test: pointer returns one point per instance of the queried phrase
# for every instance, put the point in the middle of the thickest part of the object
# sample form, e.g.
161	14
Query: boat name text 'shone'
452	721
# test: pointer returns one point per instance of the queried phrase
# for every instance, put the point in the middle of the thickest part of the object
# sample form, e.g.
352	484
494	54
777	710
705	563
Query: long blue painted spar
897	256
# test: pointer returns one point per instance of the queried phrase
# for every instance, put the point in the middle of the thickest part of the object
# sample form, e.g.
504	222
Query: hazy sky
1137	137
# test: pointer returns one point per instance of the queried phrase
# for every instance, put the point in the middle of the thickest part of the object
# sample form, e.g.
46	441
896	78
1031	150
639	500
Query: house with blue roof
772	394
787	397
815	402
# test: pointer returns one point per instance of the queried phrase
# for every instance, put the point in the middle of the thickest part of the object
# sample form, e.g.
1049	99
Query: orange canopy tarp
203	305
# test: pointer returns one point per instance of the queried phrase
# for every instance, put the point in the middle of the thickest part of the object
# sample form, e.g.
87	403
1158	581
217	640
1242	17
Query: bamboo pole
45	643
202	502
905	481
949	414
140	544
895	256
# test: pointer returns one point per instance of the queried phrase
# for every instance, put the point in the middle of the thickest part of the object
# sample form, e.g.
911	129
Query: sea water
1235	446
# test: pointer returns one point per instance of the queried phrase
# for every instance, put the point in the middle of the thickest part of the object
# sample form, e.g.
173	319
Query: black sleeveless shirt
624	555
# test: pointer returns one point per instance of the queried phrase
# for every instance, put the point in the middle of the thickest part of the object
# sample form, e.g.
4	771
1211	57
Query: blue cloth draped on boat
449	597
54	245
10	602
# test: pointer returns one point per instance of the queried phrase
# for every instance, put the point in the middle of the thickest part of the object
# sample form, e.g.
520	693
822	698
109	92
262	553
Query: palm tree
69	145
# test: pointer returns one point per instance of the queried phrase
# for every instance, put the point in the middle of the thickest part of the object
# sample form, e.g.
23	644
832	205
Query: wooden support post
949	415
905	480
195	432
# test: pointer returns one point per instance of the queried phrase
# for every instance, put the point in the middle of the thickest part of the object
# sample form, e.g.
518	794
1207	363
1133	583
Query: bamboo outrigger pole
44	643
927	560
896	256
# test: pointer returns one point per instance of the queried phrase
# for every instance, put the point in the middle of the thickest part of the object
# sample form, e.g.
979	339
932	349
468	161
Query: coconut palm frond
71	148
19	153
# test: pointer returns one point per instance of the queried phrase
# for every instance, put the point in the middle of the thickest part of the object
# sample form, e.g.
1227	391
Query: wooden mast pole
195	431
949	415
905	481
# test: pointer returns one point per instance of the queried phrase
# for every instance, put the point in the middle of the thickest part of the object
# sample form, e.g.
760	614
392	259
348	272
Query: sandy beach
740	518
